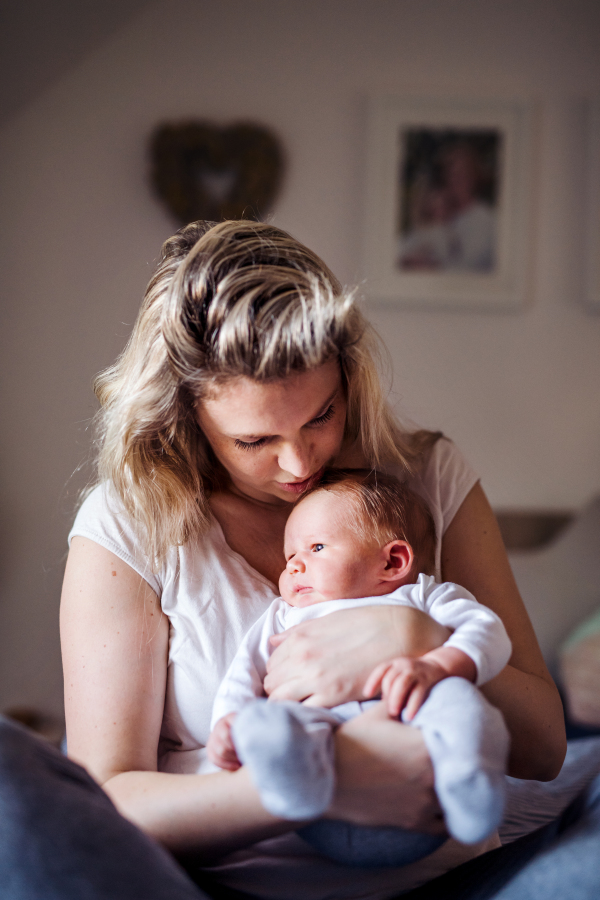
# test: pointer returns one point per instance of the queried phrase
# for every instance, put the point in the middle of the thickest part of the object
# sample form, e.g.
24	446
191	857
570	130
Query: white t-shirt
477	631
212	596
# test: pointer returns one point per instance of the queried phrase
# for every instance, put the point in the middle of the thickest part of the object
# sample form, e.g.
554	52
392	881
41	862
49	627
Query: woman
248	371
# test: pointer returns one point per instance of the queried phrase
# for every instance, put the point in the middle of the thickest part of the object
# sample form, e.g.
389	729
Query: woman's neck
253	528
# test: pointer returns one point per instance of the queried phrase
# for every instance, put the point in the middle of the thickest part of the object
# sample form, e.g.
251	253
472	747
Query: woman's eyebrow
257	437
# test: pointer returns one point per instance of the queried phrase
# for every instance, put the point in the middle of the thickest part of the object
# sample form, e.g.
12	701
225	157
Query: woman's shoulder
102	511
103	519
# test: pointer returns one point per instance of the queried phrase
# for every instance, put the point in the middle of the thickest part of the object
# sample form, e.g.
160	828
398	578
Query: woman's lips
298	487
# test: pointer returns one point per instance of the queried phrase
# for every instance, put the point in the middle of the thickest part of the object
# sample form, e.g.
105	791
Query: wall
80	231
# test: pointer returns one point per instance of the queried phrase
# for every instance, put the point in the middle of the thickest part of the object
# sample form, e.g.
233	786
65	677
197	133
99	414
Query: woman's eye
250	445
327	415
317	547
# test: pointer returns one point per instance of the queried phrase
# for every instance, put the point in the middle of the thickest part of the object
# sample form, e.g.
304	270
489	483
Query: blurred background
84	84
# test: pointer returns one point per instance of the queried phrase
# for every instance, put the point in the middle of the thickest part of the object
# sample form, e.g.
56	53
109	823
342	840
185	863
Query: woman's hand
327	661
384	775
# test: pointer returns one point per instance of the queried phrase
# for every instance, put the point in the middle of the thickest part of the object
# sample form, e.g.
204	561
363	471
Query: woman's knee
26	759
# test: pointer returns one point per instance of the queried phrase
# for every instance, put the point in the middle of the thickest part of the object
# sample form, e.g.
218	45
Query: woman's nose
296	459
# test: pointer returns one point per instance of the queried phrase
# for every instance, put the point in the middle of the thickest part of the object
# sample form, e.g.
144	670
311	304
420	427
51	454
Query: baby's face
326	560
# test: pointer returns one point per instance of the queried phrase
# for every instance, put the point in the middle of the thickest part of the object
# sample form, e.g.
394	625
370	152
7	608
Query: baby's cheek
284	586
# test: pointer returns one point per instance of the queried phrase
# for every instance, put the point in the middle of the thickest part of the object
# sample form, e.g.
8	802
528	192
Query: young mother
248	371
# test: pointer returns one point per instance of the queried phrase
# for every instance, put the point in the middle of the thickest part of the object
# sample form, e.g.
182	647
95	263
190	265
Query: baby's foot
288	749
468	743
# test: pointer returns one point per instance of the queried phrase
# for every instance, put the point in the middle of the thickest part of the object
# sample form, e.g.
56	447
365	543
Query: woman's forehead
245	407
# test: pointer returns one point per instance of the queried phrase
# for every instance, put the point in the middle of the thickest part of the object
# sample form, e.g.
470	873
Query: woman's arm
115	645
473	555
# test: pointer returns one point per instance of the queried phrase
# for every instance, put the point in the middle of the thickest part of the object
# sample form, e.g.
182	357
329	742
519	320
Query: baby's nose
294	564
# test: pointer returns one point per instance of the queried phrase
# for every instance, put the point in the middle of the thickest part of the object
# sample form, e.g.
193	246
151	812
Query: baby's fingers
397	692
418	695
232	765
373	682
224	756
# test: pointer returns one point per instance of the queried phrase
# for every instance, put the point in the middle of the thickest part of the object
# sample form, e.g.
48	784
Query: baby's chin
300	599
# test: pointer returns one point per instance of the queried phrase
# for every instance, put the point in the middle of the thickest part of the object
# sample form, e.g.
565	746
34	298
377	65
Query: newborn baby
364	539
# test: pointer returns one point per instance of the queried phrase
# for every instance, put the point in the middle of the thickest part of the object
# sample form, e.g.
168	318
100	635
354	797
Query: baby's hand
404	683
220	749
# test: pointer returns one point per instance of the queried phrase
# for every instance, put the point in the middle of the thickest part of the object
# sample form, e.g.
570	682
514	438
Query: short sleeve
102	519
444	481
447	478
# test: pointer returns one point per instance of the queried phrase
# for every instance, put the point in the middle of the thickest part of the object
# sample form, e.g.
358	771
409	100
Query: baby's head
358	533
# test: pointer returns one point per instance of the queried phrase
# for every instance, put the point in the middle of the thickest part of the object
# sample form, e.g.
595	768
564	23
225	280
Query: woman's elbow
553	763
544	760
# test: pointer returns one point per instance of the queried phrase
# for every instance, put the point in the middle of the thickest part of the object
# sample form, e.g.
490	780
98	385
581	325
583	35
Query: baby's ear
399	559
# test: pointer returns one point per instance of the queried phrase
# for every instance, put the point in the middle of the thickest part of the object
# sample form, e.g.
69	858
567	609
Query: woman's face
274	439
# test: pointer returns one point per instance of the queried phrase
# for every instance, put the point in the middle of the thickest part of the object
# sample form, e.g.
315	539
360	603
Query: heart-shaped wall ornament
203	171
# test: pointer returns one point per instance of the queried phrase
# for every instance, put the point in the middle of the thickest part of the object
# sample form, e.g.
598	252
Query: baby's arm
243	682
478	649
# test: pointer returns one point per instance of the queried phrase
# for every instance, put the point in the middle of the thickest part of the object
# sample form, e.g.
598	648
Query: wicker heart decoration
201	171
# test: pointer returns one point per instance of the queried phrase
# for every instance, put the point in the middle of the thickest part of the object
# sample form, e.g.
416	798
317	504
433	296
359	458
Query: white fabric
212	596
478	632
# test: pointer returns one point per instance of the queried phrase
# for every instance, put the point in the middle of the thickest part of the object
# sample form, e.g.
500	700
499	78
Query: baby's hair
386	510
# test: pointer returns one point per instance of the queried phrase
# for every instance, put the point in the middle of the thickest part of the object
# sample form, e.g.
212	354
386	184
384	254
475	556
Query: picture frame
448	211
592	281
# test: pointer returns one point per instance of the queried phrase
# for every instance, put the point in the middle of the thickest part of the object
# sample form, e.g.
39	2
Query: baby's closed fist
220	749
404	683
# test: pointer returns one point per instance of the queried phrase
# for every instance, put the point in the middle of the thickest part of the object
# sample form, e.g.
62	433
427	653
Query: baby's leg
288	748
468	743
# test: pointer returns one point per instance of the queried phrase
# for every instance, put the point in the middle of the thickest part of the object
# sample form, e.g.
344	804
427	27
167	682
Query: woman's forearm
209	814
533	713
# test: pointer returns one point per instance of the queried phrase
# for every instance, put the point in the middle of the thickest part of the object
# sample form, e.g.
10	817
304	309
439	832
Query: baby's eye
317	547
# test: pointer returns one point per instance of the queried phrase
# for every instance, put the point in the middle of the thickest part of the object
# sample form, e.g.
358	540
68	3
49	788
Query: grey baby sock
468	744
288	750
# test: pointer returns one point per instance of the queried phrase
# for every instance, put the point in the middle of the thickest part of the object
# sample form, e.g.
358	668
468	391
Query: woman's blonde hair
235	299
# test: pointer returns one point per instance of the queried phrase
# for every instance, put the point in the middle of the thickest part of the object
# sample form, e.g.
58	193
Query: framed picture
593	224
448	203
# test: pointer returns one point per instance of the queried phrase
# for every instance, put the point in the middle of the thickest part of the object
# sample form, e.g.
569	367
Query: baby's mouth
301	589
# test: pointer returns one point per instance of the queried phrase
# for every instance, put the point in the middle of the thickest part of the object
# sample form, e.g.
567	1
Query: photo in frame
448	203
593	219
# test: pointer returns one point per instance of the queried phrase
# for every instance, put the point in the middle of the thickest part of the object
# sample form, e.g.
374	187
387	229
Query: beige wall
519	392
